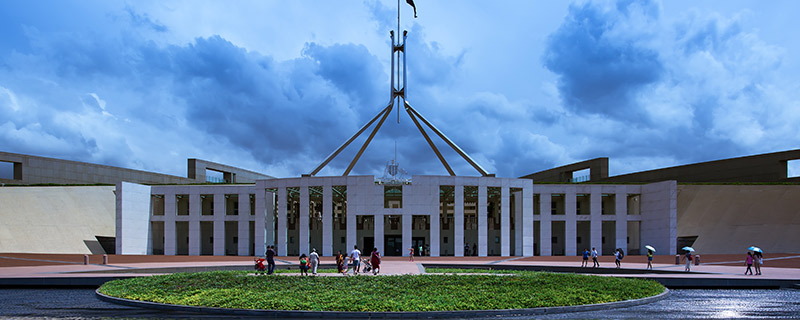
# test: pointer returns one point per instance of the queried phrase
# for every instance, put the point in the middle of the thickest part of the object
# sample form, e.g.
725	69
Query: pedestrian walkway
54	267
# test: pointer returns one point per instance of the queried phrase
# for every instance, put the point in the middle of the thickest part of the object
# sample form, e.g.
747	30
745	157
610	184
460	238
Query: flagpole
398	58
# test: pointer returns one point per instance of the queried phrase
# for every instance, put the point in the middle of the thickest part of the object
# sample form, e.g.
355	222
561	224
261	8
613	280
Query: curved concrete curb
472	314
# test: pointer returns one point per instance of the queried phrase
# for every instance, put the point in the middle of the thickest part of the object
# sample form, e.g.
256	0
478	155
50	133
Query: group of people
355	263
754	259
586	254
618	255
269	258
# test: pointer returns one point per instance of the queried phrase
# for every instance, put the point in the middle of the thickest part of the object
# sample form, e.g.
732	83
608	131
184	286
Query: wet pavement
681	304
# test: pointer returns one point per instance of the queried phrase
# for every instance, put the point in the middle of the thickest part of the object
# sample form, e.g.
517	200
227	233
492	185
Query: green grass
225	289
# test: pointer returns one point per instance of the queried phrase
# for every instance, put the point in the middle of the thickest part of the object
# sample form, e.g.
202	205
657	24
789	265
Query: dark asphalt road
681	304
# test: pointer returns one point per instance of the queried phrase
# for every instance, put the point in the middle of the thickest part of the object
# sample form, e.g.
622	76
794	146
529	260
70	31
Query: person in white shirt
594	258
355	257
313	259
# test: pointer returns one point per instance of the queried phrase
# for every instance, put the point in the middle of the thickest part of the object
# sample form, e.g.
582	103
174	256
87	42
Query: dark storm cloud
601	66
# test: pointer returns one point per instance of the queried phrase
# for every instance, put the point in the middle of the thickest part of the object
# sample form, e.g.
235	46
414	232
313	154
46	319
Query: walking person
313	260
688	258
466	249
339	262
375	260
270	259
411	254
355	257
649	259
618	257
594	258
758	260
749	263
303	265
585	262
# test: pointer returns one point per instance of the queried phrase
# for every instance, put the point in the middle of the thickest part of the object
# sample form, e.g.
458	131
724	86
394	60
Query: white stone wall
133	219
421	198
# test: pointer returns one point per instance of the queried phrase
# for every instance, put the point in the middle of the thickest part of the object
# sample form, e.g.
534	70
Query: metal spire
398	95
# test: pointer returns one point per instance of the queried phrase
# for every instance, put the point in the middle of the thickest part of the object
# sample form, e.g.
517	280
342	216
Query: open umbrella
650	248
754	249
690	249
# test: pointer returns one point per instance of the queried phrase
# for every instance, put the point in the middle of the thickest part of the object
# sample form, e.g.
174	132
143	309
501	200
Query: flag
411	2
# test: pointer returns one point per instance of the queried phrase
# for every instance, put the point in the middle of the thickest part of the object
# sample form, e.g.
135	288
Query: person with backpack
585	262
375	261
618	255
303	265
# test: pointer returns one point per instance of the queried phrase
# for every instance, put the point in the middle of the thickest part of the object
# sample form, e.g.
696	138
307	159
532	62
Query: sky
521	86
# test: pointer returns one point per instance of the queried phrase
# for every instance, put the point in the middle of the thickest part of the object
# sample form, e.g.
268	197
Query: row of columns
524	219
219	217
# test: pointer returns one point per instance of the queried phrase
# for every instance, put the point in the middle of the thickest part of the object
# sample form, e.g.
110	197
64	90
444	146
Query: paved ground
81	303
12	265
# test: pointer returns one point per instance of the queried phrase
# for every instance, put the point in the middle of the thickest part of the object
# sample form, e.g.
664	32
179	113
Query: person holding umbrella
650	251
688	258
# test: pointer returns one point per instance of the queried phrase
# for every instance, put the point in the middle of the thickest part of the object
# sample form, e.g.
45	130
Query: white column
596	222
483	223
302	223
243	228
378	233
622	219
458	220
219	224
352	233
195	209
570	223
170	212
545	225
327	220
527	221
505	222
263	221
407	231
435	234
282	221
518	225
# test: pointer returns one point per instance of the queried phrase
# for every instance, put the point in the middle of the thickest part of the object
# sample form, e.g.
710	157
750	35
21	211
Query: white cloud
275	86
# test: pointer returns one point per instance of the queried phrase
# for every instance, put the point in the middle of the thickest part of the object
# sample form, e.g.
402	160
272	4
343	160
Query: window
393	196
793	168
6	170
581	175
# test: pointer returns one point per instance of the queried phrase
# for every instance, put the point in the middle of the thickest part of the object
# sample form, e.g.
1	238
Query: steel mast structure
398	98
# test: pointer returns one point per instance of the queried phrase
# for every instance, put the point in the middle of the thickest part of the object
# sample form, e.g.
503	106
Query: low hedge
443	292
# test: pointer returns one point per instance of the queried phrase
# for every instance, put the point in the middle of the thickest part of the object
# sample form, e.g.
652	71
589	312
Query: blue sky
276	86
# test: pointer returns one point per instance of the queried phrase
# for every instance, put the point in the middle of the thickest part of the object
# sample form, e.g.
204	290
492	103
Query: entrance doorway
393	245
369	243
419	246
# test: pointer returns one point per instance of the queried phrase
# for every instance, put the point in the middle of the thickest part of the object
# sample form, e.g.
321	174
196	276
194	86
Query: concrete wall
55	219
29	169
41	170
768	167
728	219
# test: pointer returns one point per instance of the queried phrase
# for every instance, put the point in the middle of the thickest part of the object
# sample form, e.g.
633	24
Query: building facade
441	215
